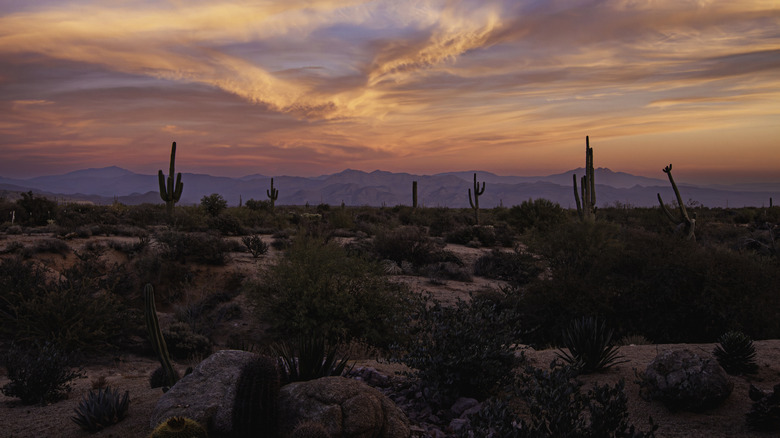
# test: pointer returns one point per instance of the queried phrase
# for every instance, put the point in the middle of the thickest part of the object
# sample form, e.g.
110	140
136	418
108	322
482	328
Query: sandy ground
129	372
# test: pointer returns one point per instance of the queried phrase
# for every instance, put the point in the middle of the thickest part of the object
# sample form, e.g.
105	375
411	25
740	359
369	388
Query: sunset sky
310	87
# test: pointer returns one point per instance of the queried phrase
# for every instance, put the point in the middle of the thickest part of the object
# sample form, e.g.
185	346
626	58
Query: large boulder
347	408
685	381
206	395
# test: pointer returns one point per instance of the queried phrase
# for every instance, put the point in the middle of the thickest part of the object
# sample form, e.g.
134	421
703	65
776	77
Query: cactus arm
163	191
156	337
666	210
179	188
577	197
470	202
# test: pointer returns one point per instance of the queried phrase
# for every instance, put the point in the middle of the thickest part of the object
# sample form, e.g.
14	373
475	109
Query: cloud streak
430	85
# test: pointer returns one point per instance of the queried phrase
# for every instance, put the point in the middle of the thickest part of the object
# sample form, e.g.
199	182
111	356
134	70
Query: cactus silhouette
414	194
477	193
685	222
586	210
255	407
156	338
170	192
272	194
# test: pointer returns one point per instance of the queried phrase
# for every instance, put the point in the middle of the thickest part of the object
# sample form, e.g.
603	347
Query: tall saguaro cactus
477	193
170	192
414	194
272	194
586	210
156	337
685	222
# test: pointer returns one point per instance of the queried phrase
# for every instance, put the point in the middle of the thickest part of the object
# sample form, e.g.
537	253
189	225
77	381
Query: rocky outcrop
685	381
347	408
206	395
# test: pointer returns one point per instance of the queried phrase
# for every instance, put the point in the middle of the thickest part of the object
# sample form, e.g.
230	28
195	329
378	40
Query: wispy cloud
351	83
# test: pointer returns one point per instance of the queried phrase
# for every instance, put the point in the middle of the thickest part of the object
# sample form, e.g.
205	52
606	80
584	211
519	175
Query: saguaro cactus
272	194
477	193
170	192
156	337
414	194
586	210
685	222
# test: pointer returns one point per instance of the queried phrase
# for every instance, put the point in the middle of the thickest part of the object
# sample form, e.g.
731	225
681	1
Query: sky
313	87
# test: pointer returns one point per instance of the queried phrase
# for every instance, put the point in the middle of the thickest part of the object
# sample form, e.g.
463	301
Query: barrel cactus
179	427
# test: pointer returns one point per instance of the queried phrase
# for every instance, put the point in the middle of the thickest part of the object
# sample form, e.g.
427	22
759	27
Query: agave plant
590	347
100	409
310	357
736	354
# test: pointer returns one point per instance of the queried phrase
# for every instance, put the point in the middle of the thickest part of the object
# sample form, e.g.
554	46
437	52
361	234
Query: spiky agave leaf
736	354
590	346
100	409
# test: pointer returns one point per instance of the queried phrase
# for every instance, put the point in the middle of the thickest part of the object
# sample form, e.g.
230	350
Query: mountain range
377	188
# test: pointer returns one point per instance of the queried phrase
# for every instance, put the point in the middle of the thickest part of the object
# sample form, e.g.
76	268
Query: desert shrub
309	357
159	377
100	409
131	249
73	312
146	215
203	248
540	214
558	407
205	314
736	354
590	346
659	286
442	271
255	245
35	210
183	343
51	246
255	205
319	287
516	267
213	204
764	413
409	244
464	350
226	224
39	374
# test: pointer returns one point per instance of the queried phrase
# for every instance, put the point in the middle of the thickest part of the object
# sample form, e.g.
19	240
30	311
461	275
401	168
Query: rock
347	408
684	381
462	404
207	394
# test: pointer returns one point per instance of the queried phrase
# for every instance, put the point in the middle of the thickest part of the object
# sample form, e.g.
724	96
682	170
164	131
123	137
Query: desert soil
129	372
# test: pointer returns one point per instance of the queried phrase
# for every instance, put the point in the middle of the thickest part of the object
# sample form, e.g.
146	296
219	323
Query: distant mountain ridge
377	188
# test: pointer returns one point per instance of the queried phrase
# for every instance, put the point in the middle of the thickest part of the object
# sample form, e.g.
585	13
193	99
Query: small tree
214	204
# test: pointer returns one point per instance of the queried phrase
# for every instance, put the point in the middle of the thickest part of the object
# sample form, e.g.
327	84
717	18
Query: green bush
464	350
213	204
184	344
74	313
317	287
206	248
516	267
541	214
40	374
409	244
